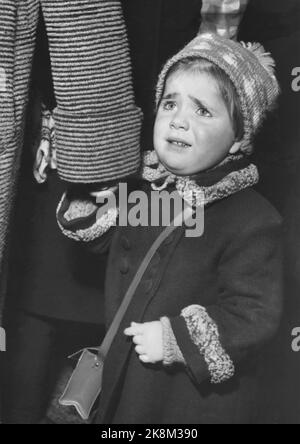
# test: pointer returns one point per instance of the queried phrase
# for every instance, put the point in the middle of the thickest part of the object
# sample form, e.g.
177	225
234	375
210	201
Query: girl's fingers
140	350
138	328
134	330
144	358
138	340
128	332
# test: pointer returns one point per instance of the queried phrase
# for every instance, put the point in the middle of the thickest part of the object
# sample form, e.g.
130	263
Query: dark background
277	24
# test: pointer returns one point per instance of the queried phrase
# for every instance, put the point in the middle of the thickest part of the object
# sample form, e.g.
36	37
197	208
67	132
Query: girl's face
193	129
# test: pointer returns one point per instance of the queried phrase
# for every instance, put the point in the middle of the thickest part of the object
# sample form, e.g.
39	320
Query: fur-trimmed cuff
172	353
80	221
205	335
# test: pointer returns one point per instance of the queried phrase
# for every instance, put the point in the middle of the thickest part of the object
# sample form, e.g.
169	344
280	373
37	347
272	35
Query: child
186	351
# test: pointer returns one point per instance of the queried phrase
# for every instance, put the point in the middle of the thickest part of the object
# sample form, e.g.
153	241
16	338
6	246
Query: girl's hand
148	338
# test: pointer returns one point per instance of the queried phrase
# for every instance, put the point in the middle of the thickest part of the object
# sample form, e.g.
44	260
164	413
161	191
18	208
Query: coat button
125	243
124	266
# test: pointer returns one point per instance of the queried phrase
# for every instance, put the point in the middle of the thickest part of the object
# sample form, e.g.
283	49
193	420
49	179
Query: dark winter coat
234	270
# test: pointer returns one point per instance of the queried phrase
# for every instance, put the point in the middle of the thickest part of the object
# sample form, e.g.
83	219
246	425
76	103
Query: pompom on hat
251	70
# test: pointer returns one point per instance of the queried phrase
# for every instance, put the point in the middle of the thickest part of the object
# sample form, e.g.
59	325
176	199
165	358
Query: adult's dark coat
234	270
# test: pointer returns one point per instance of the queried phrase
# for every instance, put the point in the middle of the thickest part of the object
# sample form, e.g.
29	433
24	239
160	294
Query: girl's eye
203	112
169	106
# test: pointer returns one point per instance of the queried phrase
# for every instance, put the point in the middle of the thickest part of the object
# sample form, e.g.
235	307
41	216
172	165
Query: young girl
186	351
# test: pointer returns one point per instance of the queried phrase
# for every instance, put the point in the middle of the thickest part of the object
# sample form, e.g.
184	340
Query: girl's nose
179	122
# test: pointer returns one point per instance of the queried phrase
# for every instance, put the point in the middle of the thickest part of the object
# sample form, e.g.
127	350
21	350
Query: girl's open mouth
179	143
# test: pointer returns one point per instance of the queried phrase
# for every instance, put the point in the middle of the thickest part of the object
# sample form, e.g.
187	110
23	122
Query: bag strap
111	333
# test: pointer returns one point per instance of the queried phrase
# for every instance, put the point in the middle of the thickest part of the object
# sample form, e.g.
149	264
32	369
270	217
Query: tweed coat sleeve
215	339
223	16
97	122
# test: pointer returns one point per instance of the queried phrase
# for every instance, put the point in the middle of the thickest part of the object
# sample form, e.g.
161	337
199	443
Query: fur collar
234	174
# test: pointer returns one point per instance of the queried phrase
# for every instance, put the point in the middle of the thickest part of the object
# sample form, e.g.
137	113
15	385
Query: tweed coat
234	271
91	69
17	35
93	88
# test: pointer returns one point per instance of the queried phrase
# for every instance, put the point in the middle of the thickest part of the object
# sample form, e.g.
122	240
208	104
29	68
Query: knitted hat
251	70
97	124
